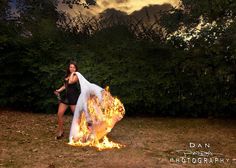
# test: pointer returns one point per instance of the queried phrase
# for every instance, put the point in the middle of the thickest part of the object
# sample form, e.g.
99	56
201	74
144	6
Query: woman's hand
73	78
72	74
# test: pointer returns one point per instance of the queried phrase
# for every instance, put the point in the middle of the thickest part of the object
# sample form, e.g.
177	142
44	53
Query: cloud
127	6
121	1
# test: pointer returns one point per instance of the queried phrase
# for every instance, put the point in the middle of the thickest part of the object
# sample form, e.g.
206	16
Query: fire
104	116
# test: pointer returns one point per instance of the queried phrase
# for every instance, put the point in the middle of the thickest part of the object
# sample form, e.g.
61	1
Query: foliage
157	77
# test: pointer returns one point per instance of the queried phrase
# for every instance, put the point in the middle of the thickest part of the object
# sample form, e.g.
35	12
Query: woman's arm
61	88
73	78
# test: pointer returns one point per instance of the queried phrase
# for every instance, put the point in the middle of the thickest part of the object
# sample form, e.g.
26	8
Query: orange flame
104	116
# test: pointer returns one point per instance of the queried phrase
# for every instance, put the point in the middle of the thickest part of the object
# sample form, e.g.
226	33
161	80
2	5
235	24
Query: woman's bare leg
72	107
61	110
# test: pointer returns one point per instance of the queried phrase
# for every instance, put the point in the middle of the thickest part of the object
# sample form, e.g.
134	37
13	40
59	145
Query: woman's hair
68	68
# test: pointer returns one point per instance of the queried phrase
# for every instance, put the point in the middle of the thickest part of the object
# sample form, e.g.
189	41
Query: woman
72	92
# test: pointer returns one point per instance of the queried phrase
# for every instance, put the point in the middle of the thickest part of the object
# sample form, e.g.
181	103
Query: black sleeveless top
72	93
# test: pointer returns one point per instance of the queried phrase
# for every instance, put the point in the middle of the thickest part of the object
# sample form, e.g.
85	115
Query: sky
127	6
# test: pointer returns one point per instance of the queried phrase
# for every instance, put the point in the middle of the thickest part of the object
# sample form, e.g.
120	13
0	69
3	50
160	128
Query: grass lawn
27	140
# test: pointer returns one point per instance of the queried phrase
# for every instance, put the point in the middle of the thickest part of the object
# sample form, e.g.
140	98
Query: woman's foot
59	136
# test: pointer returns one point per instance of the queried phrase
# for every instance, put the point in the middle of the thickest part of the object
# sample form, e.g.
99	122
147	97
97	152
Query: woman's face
72	68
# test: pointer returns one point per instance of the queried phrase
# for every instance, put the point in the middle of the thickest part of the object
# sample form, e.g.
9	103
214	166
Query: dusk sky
127	6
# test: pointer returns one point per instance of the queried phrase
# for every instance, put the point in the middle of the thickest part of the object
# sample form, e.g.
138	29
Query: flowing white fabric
87	89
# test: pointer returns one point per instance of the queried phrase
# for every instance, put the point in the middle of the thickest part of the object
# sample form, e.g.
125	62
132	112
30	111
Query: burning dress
96	113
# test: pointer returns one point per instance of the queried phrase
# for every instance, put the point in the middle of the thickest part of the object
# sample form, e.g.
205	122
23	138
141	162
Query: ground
27	140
